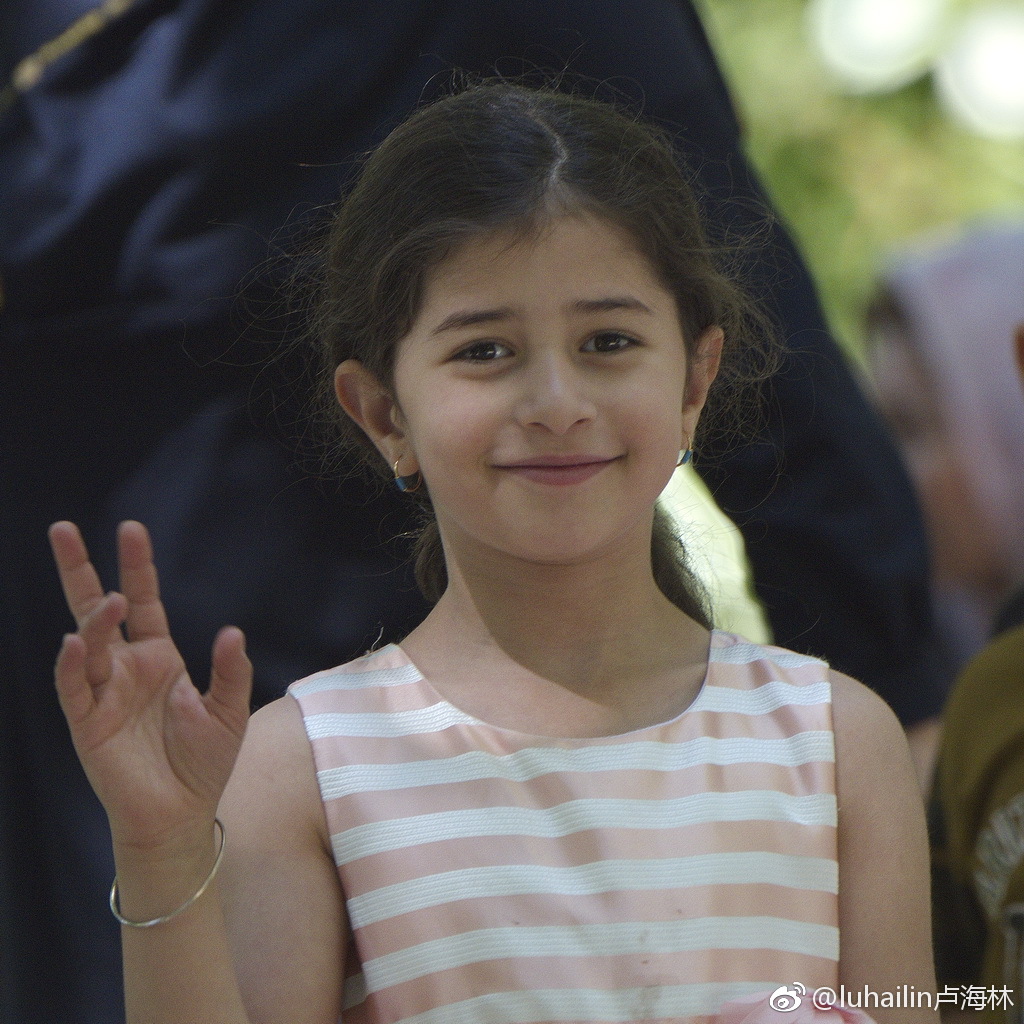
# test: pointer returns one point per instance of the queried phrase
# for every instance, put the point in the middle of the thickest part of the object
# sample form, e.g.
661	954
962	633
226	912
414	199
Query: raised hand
157	752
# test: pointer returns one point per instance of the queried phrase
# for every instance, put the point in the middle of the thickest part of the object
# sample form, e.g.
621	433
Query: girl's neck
597	637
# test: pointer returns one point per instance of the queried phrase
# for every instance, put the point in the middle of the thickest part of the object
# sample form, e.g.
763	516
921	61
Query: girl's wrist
155	882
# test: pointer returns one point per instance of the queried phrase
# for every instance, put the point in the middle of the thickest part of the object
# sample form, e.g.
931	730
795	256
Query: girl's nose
556	396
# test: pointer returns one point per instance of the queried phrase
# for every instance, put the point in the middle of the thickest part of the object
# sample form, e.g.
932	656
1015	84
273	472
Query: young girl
563	797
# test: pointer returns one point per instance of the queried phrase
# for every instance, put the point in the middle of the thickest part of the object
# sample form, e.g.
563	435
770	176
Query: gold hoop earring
407	484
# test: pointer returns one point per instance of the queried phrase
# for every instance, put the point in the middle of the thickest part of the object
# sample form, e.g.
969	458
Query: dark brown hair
501	157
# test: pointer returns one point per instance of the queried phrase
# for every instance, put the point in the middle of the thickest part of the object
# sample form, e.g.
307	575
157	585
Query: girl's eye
609	341
483	351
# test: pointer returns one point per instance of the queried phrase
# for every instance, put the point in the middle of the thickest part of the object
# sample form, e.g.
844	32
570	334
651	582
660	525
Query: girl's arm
280	887
884	905
268	947
159	754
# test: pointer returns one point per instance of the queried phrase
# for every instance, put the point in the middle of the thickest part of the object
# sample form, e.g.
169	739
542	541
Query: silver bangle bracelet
115	908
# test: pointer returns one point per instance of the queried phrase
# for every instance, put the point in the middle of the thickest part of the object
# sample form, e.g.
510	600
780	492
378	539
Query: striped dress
492	876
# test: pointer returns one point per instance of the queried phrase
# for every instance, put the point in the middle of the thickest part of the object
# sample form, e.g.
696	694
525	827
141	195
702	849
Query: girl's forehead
570	251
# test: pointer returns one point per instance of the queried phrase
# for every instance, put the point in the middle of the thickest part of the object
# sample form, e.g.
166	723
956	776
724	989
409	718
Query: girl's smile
559	470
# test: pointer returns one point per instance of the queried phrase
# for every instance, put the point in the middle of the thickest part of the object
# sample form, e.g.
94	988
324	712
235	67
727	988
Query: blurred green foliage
854	176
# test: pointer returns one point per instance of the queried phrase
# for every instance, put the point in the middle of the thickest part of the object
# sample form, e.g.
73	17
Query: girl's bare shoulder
867	731
273	797
276	750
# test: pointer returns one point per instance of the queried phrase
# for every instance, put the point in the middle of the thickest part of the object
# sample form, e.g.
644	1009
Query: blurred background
875	121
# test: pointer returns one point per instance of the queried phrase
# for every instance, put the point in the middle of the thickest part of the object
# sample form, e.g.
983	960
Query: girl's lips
559	470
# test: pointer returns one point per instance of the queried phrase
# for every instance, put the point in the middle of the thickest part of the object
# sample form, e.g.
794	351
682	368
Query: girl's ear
370	406
702	370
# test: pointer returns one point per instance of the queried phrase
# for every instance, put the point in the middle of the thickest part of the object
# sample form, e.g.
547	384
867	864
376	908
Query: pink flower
787	1006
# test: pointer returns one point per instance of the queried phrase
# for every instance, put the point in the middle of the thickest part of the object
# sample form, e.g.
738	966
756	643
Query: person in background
149	157
948	387
976	819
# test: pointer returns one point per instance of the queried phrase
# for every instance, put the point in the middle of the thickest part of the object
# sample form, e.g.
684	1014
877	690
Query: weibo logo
787	997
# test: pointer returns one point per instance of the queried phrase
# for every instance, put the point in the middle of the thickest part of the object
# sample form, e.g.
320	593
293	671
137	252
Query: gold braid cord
29	70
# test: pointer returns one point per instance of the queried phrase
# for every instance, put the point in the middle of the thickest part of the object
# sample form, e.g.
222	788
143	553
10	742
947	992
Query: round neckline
714	640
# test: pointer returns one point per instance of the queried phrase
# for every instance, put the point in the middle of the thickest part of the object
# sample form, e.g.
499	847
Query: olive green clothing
978	826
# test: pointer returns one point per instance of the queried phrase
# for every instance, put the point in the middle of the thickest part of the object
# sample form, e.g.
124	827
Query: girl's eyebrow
610	304
474	317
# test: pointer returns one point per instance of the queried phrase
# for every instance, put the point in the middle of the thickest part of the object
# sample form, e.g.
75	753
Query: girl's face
544	393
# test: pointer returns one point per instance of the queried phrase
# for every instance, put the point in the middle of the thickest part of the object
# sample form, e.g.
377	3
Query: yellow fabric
717	554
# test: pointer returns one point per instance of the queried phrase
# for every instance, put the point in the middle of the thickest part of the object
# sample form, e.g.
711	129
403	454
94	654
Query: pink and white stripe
492	876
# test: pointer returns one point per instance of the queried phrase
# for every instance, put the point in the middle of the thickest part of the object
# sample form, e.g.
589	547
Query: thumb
230	680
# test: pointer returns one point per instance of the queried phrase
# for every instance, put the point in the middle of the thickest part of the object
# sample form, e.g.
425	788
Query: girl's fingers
73	689
100	630
78	578
230	680
139	583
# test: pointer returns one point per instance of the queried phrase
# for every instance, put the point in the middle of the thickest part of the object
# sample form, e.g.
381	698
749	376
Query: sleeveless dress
492	876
